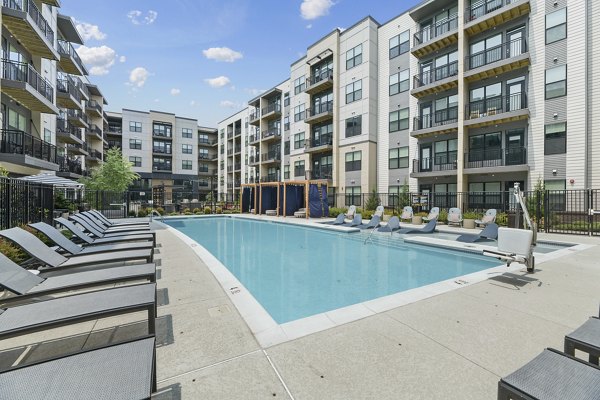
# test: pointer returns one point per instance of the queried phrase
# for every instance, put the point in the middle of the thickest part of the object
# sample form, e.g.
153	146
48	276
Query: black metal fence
22	202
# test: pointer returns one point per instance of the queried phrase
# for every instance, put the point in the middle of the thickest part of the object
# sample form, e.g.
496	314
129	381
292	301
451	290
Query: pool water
295	272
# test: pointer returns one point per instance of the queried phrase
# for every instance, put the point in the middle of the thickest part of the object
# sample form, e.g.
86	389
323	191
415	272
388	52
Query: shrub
367	214
472	215
160	210
373	201
206	210
443	216
12	252
334	212
196	211
502	219
67	233
131	213
219	210
173	213
187	211
142	212
421	214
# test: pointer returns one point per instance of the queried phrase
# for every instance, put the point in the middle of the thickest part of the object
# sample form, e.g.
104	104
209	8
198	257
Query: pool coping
268	332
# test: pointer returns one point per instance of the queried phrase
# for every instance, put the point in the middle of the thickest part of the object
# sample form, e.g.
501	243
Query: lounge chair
407	213
61	241
105	240
488	218
379	211
126	370
351	213
26	285
94	221
392	225
44	254
433	213
489	232
428	228
108	222
271	213
301	213
97	232
455	217
552	375
356	221
373	223
586	338
339	220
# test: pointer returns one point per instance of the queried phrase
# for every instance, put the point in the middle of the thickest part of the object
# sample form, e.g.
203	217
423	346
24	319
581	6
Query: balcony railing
255	115
324	172
274	107
23	72
441	117
325	75
482	7
78	114
66	164
230	135
495	105
237	166
68	86
496	157
205	156
206	141
319	109
237	132
437	74
237	149
323	140
269	178
253	138
271	132
161	167
432	31
67	48
65	127
162	150
502	51
95	154
93	104
35	14
271	156
19	142
95	129
446	162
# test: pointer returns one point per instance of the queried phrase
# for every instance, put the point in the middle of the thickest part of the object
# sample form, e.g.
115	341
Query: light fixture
555	115
555	59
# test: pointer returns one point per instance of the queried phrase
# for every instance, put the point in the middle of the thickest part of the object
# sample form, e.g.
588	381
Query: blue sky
204	58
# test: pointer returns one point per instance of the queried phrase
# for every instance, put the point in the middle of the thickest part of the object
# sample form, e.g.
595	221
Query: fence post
590	197
547	217
538	208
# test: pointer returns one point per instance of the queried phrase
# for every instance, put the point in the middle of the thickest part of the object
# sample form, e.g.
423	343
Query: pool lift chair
516	245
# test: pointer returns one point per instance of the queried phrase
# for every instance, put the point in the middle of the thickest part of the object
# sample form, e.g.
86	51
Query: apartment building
52	115
165	149
449	96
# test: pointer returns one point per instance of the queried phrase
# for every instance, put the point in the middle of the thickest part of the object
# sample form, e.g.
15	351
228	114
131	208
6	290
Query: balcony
433	38
207	171
67	133
270	178
114	130
21	82
253	138
271	134
320	144
93	108
496	110
161	167
230	135
434	166
442	121
324	172
25	22
94	155
229	152
254	118
237	167
271	111
67	94
161	135
69	59
237	150
487	14
23	149
78	149
162	151
94	132
497	60
237	132
78	118
207	142
254	159
319	83
438	80
204	156
319	113
271	157
512	159
69	168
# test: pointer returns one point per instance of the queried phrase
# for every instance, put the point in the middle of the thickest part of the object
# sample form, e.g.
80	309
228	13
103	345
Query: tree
3	171
404	195
114	174
373	201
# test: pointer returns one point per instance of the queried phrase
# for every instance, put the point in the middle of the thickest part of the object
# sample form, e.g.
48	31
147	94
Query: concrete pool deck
454	345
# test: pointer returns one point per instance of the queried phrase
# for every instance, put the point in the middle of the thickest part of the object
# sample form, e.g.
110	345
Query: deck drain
219	310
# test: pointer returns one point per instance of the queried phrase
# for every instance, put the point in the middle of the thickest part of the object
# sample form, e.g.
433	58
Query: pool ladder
162	218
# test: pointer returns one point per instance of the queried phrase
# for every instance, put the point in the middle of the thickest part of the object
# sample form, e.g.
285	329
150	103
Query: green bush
472	215
373	201
334	212
160	210
131	213
421	214
196	211
142	212
173	213
187	211
502	219
12	252
219	210
443	216
206	210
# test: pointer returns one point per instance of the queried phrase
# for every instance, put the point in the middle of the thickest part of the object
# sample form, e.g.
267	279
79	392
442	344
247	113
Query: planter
417	220
469	223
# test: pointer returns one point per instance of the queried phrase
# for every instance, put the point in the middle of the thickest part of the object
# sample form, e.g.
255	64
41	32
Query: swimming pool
295	272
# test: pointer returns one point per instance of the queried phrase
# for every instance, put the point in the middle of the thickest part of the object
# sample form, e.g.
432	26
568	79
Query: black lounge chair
586	338
392	225
26	285
61	241
373	223
44	254
83	237
92	220
126	370
98	232
108	222
428	228
552	375
489	232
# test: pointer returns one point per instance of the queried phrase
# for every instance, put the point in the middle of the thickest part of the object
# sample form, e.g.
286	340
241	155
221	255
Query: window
353	161
135	126
47	135
354	126
354	57
485	195
399	158
286	148
299	113
446	152
135	161
354	91
299	140
299	168
286	123
399	82
161	147
446	109
322	134
202	167
352	195
203	138
186	133
299	84
399	120
186	164
286	172
485	147
286	99
135	144
161	129
399	44
556	26
555	138
486	51
556	82
203	154
186	148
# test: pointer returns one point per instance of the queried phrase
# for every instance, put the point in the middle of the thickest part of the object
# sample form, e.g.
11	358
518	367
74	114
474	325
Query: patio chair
489	232
61	241
428	228
44	254
433	213
125	370
373	223
106	240
488	218
26	285
455	216
586	338
407	213
379	211
351	212
392	225
96	231
108	222
356	221
552	375
94	221
339	220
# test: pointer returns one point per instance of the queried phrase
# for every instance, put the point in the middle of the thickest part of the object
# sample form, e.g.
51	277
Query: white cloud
97	59
228	104
89	31
122	59
313	9
157	100
193	103
222	54
308	26
138	76
149	18
175	92
255	92
218	82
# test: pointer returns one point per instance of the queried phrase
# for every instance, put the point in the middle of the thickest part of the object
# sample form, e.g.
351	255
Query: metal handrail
18	142
495	105
441	117
432	31
34	13
23	72
437	74
493	54
483	7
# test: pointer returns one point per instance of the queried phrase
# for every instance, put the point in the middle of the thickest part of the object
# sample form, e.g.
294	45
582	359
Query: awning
51	179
